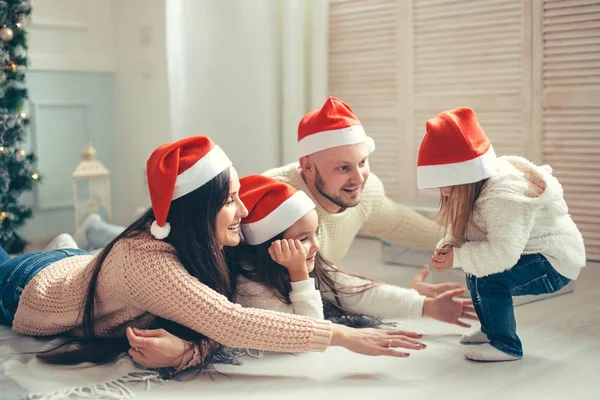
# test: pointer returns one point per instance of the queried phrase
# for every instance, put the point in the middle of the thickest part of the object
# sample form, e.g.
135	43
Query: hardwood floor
561	338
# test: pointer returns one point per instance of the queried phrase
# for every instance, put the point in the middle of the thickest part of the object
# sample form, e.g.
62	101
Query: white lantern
91	187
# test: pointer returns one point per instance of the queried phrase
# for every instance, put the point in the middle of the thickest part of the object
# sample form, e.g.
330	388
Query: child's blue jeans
492	298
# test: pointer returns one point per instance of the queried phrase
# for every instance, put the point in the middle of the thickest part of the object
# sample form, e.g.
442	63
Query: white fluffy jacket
520	210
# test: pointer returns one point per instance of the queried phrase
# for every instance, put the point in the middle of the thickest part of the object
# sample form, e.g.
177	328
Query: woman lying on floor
166	269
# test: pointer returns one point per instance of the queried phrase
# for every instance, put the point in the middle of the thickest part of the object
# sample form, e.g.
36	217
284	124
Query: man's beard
320	186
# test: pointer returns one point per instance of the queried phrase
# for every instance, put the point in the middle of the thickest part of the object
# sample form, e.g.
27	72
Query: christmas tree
17	170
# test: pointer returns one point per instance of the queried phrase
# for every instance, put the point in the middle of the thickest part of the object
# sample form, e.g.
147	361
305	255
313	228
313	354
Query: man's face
338	174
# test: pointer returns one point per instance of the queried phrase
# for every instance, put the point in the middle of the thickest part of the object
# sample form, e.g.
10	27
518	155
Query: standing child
507	225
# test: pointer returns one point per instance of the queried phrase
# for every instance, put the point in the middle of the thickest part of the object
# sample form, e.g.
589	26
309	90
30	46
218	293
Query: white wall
224	77
71	35
71	102
142	98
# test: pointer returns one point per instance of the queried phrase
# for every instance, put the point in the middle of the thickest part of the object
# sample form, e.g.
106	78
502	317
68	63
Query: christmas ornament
21	154
6	34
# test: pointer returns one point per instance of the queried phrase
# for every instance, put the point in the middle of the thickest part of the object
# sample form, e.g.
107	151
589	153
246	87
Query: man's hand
446	307
430	290
155	348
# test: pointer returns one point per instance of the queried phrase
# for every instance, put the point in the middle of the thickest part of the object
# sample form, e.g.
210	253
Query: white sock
80	235
487	352
474	338
62	241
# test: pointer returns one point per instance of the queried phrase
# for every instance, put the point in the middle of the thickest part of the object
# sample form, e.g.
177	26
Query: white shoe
476	337
62	241
487	352
80	235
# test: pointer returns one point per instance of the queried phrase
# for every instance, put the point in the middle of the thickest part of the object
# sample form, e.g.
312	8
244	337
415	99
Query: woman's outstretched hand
376	342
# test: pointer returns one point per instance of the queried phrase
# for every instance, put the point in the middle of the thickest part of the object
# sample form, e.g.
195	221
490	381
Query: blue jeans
15	274
492	298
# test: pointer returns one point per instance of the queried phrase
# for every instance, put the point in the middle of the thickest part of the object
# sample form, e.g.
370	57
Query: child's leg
494	294
479	336
532	275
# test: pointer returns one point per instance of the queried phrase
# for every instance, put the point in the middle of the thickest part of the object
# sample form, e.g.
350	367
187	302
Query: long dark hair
255	264
194	237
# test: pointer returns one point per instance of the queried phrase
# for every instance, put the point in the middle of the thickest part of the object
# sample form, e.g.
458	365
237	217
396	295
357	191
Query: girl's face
229	217
305	230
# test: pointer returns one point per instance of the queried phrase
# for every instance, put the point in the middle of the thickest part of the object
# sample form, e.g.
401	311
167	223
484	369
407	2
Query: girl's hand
443	258
292	256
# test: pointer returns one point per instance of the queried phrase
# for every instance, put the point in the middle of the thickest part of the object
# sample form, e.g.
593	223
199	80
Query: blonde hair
456	210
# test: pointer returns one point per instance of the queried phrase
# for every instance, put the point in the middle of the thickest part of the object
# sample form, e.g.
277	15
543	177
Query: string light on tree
3	216
11	66
35	176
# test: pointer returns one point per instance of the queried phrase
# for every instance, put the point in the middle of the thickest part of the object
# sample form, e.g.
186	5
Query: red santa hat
333	125
273	207
454	151
176	169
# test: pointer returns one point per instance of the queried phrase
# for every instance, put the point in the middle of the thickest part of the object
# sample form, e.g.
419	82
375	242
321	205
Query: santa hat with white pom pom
178	168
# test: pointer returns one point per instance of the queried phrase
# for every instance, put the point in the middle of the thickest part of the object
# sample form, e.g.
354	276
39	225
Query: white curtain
244	72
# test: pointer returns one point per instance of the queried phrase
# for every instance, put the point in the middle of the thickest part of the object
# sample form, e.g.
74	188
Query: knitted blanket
23	376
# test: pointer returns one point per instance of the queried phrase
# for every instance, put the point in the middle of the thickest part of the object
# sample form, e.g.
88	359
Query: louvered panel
571	146
453	59
383	128
571	131
453	53
363	69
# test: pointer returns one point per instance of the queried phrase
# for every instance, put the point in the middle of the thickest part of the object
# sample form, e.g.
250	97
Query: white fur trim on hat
281	218
460	173
212	164
160	232
354	134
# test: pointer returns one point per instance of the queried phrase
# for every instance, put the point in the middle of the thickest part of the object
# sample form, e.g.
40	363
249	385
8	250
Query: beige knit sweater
375	215
142	278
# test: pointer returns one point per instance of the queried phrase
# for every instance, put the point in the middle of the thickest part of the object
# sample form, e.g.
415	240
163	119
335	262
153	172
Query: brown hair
456	210
193	235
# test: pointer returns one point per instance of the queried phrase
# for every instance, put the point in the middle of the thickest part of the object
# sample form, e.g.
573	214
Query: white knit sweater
382	301
375	215
521	210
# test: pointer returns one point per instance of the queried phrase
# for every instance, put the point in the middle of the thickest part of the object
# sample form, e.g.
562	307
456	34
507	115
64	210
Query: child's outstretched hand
291	255
443	258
